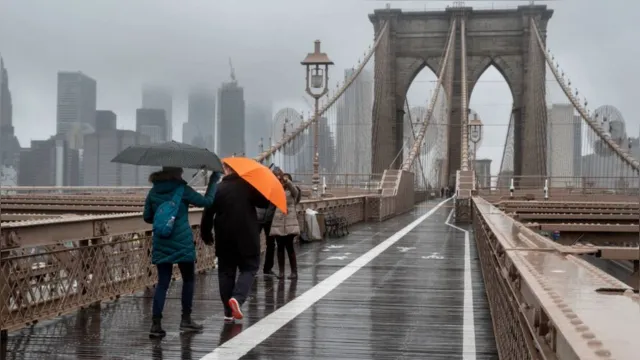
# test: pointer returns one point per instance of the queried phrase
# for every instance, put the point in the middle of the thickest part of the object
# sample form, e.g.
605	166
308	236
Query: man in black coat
233	218
265	217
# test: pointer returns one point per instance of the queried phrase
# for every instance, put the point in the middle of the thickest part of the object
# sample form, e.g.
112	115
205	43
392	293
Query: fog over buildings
158	97
230	127
162	49
199	130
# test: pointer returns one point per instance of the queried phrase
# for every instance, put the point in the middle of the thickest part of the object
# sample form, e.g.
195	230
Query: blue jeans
187	269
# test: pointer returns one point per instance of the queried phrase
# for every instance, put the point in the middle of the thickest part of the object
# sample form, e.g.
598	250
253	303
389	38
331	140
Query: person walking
285	227
265	218
176	246
233	218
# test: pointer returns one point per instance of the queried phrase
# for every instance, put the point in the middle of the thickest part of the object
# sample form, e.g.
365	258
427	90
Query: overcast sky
124	43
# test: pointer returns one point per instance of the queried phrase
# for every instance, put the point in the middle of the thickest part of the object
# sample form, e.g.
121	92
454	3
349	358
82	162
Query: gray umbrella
171	154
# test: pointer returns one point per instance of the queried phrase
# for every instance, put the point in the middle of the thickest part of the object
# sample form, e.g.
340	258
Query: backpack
165	215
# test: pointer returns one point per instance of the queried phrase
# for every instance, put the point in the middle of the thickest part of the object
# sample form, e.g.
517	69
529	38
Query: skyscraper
9	145
353	134
76	102
105	120
104	145
49	163
563	146
483	173
6	105
157	97
230	128
199	128
258	126
326	153
152	123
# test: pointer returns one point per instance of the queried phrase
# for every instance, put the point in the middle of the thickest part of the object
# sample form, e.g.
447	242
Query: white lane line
248	339
468	322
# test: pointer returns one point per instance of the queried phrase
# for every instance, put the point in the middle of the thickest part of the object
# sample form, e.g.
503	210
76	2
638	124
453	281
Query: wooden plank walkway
374	294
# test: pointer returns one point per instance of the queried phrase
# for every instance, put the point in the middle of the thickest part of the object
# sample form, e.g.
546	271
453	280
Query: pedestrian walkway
407	288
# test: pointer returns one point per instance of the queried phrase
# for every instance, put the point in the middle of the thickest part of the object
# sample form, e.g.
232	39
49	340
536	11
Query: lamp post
475	135
317	77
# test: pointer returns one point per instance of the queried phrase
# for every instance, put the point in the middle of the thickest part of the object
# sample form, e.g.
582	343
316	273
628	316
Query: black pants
286	243
230	287
187	270
271	248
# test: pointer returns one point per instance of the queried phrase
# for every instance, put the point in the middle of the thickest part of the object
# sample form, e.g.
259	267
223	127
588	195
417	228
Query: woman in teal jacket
179	247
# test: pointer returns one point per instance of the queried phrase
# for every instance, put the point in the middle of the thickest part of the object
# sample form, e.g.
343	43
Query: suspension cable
416	147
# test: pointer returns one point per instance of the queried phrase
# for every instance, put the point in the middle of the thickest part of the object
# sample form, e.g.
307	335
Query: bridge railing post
5	293
511	188
546	189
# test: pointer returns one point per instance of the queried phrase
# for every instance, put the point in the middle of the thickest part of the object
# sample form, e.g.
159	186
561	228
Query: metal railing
537	291
559	184
54	264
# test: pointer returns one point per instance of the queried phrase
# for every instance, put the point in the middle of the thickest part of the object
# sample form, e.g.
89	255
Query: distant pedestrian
265	218
285	227
233	218
177	247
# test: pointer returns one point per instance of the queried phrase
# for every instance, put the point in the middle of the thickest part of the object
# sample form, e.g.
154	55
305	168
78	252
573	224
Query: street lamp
317	68
475	135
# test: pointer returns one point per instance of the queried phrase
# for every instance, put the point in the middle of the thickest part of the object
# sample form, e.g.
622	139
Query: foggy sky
125	43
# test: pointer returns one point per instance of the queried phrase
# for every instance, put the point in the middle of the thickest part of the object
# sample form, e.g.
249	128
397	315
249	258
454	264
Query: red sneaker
235	309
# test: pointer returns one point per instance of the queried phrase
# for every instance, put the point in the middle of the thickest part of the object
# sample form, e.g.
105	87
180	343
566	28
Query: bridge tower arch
499	38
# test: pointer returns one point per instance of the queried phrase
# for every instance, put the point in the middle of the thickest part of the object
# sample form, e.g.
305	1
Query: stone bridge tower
500	38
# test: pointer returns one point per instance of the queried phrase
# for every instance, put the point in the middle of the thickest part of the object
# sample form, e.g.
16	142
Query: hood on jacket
165	181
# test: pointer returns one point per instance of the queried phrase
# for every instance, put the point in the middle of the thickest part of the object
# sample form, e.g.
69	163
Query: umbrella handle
197	175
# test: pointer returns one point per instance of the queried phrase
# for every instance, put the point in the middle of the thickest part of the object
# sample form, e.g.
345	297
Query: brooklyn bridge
425	257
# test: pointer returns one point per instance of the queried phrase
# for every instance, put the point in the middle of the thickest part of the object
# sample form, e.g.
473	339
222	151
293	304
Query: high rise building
200	126
157	97
598	170
76	105
6	105
483	173
49	163
326	153
101	147
105	120
563	146
230	126
152	123
9	145
353	134
258	126
577	146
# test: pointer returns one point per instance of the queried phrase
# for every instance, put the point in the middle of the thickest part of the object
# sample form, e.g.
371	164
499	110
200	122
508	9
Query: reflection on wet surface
606	316
595	323
406	303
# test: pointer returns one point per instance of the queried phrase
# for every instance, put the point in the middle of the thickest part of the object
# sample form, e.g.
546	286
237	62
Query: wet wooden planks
405	304
400	305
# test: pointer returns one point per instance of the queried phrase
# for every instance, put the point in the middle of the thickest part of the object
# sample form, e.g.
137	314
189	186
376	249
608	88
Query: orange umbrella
261	178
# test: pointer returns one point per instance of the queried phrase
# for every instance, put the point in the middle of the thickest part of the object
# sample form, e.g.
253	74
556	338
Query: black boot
188	325
293	262
280	264
156	329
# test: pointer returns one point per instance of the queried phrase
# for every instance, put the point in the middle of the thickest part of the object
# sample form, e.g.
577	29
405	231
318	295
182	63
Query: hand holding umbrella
261	178
215	177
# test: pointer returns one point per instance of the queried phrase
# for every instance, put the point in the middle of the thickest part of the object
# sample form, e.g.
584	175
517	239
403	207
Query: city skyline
158	53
